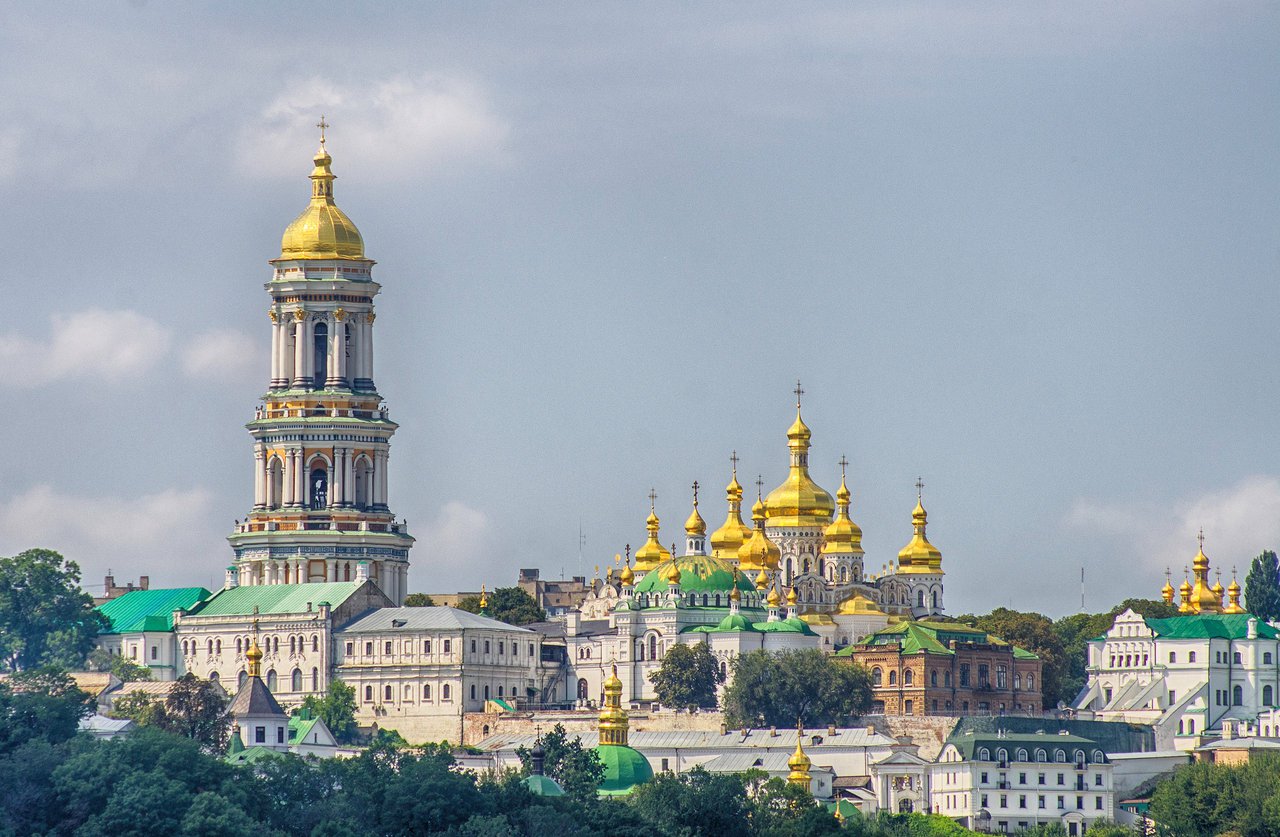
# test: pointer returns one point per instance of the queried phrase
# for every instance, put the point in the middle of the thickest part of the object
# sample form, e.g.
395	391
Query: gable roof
934	638
426	619
277	598
149	610
970	744
1210	626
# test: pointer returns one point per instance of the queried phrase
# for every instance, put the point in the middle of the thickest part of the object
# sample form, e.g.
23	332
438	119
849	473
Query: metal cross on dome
322	125
799	392
919	487
843	463
695	493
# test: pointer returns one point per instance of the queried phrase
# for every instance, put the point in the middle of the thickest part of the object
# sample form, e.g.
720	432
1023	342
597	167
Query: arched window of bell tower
321	349
319	493
363	481
275	483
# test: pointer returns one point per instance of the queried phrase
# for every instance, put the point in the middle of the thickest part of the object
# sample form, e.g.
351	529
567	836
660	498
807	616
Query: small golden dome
773	599
791	597
254	658
759	552
843	536
859	605
919	556
729	538
653	552
799	501
762	579
1233	596
673	575
695	526
626	577
322	231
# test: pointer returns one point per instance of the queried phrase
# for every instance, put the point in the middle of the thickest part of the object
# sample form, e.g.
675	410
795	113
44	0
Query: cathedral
321	436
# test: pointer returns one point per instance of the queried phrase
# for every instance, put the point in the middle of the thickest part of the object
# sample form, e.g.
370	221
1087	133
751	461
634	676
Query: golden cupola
626	577
613	721
843	536
799	501
729	538
759	553
1184	594
322	231
919	556
653	552
800	764
1167	592
1233	596
1204	598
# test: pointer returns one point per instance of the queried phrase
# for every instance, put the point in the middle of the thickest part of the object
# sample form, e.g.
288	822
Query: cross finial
919	487
1200	538
322	125
628	551
759	486
734	459
695	494
844	463
799	392
653	498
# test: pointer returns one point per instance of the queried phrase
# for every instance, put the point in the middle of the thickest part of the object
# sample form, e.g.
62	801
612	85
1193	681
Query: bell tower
321	436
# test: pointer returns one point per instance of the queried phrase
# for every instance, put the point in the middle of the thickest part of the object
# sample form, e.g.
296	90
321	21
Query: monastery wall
474	724
929	733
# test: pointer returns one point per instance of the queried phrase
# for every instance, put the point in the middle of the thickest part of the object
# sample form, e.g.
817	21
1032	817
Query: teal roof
1011	742
277	598
149	610
249	756
698	574
624	768
933	638
1210	626
543	786
300	728
792	625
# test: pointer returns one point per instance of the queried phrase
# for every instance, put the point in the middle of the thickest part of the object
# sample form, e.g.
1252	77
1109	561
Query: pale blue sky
1028	251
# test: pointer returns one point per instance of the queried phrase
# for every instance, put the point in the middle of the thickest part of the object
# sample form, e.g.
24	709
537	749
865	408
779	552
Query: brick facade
971	679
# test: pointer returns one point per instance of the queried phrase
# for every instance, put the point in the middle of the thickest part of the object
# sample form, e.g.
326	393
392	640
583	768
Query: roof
277	598
104	726
149	610
770	762
540	785
254	698
782	739
698	574
410	619
970	744
254	753
624	768
92	682
1210	626
934	638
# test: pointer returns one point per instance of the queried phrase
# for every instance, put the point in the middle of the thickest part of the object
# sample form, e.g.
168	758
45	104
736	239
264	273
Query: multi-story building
556	596
141	627
418	669
321	437
946	668
1009	782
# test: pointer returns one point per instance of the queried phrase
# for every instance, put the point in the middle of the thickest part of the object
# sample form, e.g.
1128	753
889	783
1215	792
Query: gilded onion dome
613	718
791	597
726	540
653	552
322	231
762	579
1204	598
859	605
799	764
799	501
1184	591
773	599
673	574
759	553
1233	594
1167	591
843	536
626	577
919	556
695	526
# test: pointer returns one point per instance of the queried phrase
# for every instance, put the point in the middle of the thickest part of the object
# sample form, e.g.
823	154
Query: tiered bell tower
322	434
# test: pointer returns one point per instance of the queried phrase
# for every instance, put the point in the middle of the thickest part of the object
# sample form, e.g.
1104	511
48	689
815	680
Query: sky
1027	252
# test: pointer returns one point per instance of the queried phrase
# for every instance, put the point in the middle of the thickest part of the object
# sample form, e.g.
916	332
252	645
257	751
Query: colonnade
349	349
353	480
391	577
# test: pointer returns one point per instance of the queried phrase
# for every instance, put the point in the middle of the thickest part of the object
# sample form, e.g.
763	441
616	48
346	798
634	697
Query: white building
141	628
418	669
1008	782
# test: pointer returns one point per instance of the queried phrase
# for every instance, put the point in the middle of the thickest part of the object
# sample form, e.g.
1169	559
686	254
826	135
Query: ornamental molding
274	315
299	315
339	315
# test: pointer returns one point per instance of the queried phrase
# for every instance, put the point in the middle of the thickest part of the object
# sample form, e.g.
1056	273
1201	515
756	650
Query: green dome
733	623
792	625
543	786
624	768
698	574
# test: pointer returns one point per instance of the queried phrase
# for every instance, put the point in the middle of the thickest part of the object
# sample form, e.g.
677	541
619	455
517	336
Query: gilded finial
734	459
695	494
322	125
759	486
484	598
799	392
1200	538
843	463
919	488
653	499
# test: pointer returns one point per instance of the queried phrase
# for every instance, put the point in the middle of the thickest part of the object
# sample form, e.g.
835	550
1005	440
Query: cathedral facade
321	436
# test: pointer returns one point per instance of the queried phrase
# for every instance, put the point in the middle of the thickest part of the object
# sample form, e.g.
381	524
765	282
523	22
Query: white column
299	479
300	353
380	467
286	487
348	477
275	349
334	487
259	476
339	363
366	356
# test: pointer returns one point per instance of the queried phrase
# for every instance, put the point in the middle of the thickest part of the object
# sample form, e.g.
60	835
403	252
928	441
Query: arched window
1021	755
946	678
704	599
243	676
346	571
362	476
724	670
937	603
321	355
844	575
582	688
984	754
1236	658
653	646
293	645
315	679
1097	757
499	690
1002	756
639	651
933	678
1041	755
239	649
1267	696
1060	756
1237	696
893	677
368	694
315	643
1191	656
919	598
386	693
210	648
1031	681
271	679
426	691
297	680
275	483
876	676
1017	680
908	678
319	487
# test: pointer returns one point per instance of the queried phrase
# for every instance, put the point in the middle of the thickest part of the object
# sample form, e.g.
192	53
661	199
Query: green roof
698	574
300	728
251	755
934	638
149	610
542	786
624	768
790	625
1210	626
277	598
970	744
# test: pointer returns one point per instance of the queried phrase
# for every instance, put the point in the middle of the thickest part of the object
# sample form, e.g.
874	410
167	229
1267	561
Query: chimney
362	571
831	730
724	728
232	580
144	582
1253	627
773	732
1228	730
110	582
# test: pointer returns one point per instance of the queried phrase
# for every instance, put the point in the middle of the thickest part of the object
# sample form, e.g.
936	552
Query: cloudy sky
1027	251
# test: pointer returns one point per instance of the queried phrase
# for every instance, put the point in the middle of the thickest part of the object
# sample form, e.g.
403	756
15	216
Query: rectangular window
665	765
386	648
473	691
1191	656
426	646
368	649
486	646
531	649
502	648
984	778
1004	800
155	651
279	735
1062	803
1040	800
473	646
1097	779
349	651
1002	678
1097	804
964	675
984	800
260	735
1022	800
448	646
1041	779
984	676
1079	803
1173	697
1022	778
1062	779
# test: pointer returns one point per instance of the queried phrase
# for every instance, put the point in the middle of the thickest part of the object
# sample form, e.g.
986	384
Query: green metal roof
277	598
1210	626
543	786
149	610
791	625
970	744
624	768
698	574
935	638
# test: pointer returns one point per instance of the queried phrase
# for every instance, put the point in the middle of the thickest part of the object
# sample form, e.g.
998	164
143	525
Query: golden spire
626	577
773	600
1184	593
322	231
484	599
799	763
729	538
791	597
695	526
1233	594
759	552
735	595
843	535
254	654
1167	591
919	556
613	718
1204	598
799	501
653	552
673	575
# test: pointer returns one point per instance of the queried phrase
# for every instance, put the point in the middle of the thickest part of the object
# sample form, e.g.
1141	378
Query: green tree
137	706
1035	633
507	604
687	677
577	769
779	688
45	618
196	709
41	704
418	600
695	802
1262	587
212	815
337	708
126	670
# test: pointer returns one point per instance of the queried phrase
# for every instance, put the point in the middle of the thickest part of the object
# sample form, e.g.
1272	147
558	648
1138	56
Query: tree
137	706
507	604
577	769
45	618
694	802
196	709
419	600
126	670
1035	633
688	677
1262	587
337	709
780	688
40	704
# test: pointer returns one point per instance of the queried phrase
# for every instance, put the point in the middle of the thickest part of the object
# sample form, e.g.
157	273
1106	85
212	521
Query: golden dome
773	598
626	577
799	764
613	718
1167	591
653	552
729	538
695	526
762	579
791	597
843	536
859	605
322	231
919	556
759	552
254	656
1233	594
673	574
799	501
